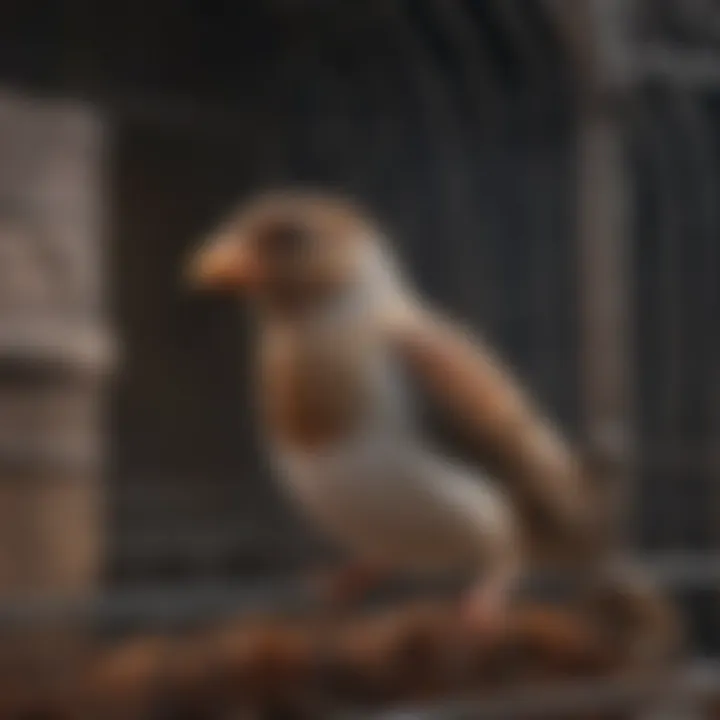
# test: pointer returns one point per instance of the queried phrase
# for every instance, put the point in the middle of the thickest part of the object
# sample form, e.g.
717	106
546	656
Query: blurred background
549	169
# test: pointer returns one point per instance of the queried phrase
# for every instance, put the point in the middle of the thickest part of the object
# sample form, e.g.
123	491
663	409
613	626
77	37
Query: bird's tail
639	617
635	615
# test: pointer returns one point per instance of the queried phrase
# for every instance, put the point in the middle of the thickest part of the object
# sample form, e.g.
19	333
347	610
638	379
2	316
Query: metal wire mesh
476	106
502	130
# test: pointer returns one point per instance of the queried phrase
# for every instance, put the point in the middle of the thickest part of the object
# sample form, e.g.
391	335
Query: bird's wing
465	377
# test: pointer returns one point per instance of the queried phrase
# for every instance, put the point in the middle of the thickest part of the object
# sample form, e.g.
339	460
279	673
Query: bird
341	329
337	418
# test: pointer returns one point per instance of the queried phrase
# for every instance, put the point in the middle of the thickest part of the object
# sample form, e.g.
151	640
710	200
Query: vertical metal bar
449	166
659	311
486	110
539	193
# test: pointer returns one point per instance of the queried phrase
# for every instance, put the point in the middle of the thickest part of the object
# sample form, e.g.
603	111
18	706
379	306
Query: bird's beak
222	264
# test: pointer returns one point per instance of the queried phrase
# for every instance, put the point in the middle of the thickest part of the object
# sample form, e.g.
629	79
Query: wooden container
54	347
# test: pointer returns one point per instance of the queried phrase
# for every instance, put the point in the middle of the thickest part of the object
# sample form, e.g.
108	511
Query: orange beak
223	264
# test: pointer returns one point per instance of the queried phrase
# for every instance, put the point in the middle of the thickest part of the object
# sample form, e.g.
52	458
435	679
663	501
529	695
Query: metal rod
189	602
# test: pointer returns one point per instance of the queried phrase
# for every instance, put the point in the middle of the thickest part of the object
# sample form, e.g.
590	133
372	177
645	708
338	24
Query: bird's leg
348	585
484	608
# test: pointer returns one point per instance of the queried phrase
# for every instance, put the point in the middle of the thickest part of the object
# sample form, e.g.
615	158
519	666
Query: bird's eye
284	239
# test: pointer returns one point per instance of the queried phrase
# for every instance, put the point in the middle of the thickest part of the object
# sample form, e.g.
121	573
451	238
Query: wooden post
596	37
605	253
54	350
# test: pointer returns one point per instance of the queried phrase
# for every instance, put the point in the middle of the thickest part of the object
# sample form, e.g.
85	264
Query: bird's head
286	248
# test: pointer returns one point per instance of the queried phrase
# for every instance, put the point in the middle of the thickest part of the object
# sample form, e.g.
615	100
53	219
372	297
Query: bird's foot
343	588
484	611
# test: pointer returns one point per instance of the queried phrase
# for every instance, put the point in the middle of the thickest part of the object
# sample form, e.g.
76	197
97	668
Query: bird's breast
310	400
320	392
